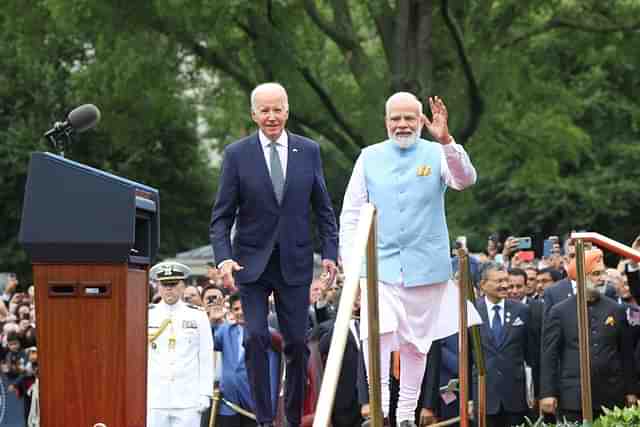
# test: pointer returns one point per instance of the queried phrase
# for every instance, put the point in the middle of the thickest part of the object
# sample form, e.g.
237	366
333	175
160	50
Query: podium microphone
78	120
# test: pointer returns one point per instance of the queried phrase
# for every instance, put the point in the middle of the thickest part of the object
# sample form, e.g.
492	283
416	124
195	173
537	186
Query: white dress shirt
490	314
282	147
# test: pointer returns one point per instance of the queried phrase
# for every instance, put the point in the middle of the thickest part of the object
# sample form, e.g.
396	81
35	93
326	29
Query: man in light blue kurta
406	177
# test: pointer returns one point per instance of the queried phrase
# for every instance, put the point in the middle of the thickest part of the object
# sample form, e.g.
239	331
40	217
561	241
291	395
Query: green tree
539	91
149	127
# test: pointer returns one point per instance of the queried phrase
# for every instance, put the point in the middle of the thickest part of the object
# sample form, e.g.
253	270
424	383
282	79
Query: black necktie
496	326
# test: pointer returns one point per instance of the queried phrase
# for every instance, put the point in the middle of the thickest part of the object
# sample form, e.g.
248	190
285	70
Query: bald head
402	100
269	90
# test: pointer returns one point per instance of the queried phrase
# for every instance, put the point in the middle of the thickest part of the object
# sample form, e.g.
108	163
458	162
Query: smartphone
523	243
526	256
547	247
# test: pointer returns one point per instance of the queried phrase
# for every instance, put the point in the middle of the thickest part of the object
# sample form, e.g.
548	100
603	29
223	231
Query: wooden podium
92	237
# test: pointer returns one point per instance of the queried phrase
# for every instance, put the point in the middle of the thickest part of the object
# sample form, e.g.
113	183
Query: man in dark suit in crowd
436	403
565	288
518	283
545	278
505	332
610	348
346	407
632	271
271	182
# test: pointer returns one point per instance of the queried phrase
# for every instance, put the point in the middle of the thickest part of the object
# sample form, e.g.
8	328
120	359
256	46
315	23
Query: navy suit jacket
562	290
610	349
347	390
246	196
506	382
556	293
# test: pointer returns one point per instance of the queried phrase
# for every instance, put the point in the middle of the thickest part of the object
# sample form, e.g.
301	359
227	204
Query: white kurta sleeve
205	357
355	197
457	170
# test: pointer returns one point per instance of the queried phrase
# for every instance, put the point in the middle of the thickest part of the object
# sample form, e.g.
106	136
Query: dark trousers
292	308
234	421
505	419
346	417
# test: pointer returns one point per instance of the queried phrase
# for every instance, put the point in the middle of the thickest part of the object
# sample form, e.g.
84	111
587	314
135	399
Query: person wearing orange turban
593	261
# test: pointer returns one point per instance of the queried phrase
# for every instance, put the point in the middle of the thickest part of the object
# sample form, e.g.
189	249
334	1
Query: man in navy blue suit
506	334
271	182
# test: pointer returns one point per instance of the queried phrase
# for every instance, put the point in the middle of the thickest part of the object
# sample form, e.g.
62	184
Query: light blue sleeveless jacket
406	187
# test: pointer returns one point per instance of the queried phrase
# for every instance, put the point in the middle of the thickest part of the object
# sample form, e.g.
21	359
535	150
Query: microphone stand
59	137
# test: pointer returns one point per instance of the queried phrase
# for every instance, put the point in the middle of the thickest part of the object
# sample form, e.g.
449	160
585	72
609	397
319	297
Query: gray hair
270	85
399	95
488	267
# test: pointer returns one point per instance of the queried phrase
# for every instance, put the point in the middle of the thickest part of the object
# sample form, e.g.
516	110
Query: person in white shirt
405	177
180	354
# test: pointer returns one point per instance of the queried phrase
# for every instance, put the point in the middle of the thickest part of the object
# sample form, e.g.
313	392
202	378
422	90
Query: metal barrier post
583	334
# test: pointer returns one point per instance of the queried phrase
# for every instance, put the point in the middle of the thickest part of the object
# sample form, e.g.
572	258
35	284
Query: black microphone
79	120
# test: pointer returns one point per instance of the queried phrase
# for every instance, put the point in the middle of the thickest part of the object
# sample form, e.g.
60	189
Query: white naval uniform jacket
178	377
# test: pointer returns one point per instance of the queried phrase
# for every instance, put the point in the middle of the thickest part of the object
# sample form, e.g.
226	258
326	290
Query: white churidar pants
410	320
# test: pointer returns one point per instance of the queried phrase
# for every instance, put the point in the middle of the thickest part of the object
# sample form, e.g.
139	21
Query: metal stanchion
215	403
583	334
333	365
467	294
463	339
375	398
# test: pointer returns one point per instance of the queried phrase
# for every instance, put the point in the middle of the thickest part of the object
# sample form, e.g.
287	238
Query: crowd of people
270	318
18	353
272	181
531	357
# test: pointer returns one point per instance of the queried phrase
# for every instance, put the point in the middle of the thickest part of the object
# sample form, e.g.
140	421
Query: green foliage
616	417
558	125
148	132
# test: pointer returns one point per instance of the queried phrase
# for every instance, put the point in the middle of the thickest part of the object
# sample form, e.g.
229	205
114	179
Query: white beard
405	142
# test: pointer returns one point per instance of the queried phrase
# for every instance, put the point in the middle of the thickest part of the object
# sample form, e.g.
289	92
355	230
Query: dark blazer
246	196
556	293
443	357
347	389
536	312
563	289
506	383
610	349
633	278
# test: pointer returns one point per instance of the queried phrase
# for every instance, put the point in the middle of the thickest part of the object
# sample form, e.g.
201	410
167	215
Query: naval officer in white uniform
180	354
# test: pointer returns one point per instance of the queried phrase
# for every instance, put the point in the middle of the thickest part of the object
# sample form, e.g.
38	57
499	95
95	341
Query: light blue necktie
277	177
